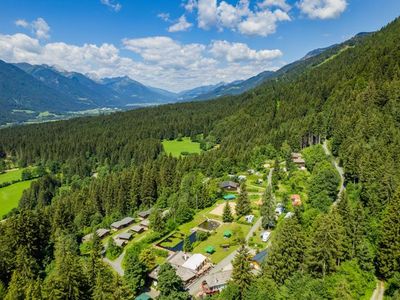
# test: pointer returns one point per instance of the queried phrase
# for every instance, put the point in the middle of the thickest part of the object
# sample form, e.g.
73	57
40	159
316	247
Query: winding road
338	168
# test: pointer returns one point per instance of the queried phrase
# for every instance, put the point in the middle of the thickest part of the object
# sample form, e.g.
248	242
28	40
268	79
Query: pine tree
388	256
170	285
68	280
243	205
227	214
24	275
242	274
286	255
134	271
325	250
267	210
95	257
187	244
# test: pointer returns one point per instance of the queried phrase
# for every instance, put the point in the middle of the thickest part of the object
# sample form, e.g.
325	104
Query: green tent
229	197
227	233
210	249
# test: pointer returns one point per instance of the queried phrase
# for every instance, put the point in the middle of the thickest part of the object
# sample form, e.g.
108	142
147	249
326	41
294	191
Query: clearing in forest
10	196
11	175
184	146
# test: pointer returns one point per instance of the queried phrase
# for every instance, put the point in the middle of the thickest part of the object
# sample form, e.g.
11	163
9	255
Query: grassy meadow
11	175
176	148
10	196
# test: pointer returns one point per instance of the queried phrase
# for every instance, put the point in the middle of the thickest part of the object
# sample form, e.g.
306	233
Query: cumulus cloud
322	9
275	3
239	52
207	13
115	6
39	27
261	20
181	25
162	61
22	23
190	5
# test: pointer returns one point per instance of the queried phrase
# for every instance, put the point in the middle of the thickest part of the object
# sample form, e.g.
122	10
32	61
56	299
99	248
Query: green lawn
175	147
10	195
217	239
10	176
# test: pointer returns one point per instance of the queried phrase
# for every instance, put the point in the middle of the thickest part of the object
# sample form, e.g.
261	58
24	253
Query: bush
202	235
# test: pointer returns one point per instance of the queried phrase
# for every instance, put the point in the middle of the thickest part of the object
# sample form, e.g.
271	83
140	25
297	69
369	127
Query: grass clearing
176	148
217	239
10	196
11	175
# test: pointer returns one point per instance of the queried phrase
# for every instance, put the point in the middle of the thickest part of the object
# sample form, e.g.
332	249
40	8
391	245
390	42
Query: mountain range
28	90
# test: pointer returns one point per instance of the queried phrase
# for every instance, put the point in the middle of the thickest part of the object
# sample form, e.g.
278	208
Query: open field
11	175
10	195
217	239
176	148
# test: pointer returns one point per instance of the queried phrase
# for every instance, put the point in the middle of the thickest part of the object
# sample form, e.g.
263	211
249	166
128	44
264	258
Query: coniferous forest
325	251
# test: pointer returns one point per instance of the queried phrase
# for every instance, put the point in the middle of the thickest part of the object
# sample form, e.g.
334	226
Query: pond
209	225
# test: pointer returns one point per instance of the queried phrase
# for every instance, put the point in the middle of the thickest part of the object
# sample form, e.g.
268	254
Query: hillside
332	246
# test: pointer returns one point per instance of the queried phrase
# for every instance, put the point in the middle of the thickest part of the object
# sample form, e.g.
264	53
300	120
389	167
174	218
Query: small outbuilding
145	223
144	214
229	185
258	259
137	229
122	223
125	236
296	200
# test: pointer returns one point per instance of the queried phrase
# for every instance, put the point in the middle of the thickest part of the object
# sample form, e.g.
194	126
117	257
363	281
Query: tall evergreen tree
286	255
388	256
325	250
187	244
267	210
242	274
170	285
134	271
227	213
243	205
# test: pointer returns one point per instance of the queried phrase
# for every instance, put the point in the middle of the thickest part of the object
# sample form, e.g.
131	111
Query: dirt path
338	168
379	291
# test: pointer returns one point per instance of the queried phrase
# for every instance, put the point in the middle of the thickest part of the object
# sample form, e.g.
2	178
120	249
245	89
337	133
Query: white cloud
238	52
22	23
39	27
262	20
322	9
162	62
190	5
181	25
275	3
207	13
164	16
115	6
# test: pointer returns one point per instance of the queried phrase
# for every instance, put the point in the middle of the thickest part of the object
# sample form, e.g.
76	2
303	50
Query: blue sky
180	44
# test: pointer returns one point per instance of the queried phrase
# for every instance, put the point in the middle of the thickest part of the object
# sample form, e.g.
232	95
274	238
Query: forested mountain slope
351	98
